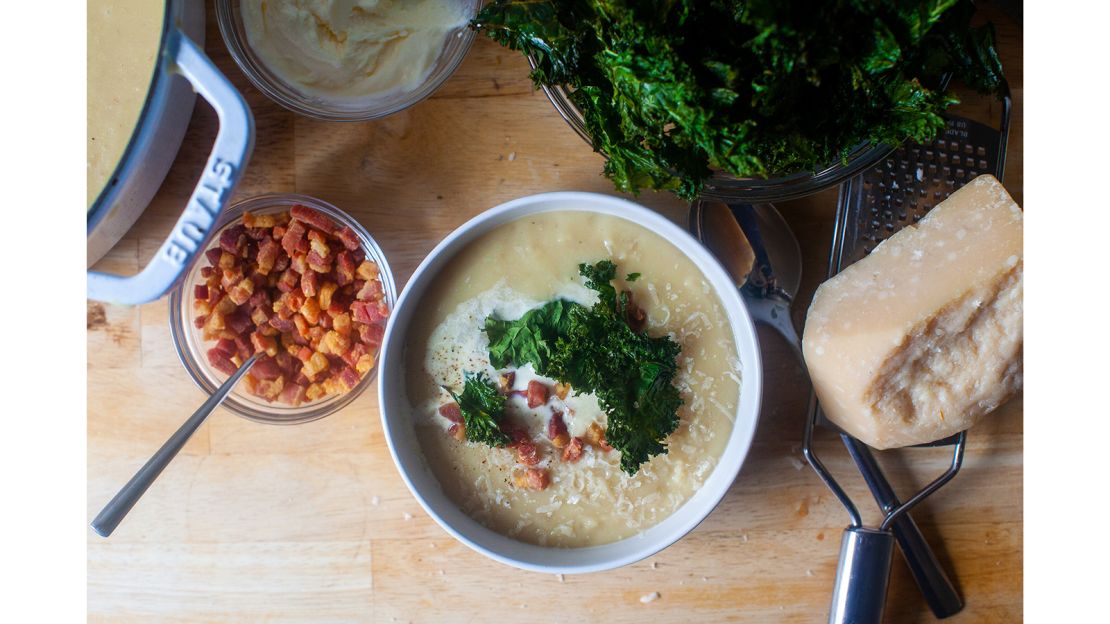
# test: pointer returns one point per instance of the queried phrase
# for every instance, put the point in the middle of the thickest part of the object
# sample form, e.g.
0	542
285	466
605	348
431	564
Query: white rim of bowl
712	491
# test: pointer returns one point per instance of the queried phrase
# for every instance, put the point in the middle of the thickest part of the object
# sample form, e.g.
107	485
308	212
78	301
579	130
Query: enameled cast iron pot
181	69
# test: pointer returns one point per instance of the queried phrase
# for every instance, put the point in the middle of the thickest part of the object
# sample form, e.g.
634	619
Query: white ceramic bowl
401	436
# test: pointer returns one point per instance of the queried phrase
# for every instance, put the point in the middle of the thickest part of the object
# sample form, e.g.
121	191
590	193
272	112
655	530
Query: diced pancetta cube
317	262
370	312
266	367
309	282
264	344
326	293
349	378
299	264
318	242
241	292
288	281
348	237
573	450
315	365
260	299
370	291
595	435
221	361
344	268
556	427
310	310
270	220
315	391
268	252
233	239
451	412
213	256
270	389
293	394
260	317
282	324
367	270
238	322
531	479
227	261
537	393
312	217
293	236
335	343
226	346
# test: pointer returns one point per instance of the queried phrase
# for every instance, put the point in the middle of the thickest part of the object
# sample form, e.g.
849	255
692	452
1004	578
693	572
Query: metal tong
863	572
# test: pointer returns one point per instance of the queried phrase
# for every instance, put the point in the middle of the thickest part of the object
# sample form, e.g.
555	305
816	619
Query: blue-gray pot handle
862	576
229	157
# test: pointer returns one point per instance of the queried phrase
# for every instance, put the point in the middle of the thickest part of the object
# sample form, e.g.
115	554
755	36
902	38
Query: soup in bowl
570	383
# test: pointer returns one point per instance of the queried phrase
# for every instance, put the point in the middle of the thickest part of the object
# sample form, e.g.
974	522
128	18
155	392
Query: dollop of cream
351	48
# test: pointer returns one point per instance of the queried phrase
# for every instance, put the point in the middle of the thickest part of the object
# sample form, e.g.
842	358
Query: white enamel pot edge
228	158
154	145
405	450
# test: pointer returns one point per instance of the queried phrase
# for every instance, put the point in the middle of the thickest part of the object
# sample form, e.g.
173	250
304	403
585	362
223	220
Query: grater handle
862	575
935	586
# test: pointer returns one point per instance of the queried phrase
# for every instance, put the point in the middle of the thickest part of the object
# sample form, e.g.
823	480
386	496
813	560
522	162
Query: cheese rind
922	337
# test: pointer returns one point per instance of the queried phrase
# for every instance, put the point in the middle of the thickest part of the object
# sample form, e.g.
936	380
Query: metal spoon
768	293
114	512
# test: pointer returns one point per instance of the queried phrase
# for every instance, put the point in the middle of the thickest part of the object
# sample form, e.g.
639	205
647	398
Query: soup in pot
559	483
124	37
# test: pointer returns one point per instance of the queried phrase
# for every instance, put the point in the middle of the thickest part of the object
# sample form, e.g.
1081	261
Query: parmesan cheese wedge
922	337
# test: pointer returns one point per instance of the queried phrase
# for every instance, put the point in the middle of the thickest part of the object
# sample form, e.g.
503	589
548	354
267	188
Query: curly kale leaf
595	350
630	373
482	408
530	338
670	91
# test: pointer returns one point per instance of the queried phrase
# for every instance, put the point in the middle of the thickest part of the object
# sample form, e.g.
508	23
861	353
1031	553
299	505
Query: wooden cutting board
313	523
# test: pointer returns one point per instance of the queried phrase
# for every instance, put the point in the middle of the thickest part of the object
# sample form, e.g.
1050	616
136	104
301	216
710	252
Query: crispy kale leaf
630	372
482	408
671	90
595	350
530	338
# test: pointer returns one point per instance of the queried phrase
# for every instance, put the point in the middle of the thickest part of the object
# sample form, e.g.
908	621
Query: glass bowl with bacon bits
301	283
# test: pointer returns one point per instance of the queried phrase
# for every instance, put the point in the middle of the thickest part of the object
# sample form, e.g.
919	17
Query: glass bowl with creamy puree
347	60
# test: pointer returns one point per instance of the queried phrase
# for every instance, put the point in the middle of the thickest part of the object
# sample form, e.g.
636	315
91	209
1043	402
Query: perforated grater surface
911	181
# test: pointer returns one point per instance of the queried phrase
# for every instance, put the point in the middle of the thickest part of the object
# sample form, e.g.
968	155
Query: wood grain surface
313	523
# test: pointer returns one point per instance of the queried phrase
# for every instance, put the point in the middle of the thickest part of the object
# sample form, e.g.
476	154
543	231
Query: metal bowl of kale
747	100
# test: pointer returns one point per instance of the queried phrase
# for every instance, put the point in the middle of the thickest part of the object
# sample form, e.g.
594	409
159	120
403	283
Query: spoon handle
117	508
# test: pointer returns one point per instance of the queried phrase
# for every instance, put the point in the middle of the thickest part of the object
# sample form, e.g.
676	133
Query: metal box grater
912	180
872	206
